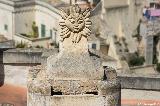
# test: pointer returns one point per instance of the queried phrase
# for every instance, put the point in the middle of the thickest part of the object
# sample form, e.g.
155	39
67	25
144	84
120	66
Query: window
43	30
152	5
6	27
94	46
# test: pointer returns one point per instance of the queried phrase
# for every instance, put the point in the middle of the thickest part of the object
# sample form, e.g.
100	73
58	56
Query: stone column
149	50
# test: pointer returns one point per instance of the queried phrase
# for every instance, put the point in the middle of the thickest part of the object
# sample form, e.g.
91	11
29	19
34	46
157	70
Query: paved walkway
140	98
13	95
140	94
132	102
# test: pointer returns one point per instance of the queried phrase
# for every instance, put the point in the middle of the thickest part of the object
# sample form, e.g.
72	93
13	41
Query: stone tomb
75	76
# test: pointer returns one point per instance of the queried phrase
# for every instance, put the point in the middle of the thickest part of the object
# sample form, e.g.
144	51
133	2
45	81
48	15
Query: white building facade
6	19
17	17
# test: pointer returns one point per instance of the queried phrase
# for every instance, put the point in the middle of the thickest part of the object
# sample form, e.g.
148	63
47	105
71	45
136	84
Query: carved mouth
76	29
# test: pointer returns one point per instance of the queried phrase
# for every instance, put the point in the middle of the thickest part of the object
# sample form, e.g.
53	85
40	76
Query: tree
137	61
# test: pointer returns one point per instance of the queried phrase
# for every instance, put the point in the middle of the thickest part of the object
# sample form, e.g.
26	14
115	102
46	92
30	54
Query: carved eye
72	20
80	21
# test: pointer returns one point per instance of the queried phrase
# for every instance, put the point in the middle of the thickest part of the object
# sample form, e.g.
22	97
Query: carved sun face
75	24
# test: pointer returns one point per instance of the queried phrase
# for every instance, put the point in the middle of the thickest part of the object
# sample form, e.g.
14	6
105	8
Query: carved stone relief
75	23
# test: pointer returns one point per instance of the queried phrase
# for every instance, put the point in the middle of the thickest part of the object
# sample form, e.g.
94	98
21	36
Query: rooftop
2	38
56	3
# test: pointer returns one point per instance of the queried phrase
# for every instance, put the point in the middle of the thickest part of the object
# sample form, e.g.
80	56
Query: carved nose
76	25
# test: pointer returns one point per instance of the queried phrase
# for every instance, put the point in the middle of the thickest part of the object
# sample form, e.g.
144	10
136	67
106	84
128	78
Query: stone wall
41	42
22	56
79	100
124	19
16	74
44	16
16	64
18	17
115	3
7	44
149	50
113	53
7	20
144	70
140	82
24	18
39	12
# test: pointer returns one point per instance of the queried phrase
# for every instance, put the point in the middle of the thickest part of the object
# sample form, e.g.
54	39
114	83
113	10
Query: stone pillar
149	50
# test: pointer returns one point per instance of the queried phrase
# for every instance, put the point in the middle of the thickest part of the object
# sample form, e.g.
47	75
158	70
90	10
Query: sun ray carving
75	23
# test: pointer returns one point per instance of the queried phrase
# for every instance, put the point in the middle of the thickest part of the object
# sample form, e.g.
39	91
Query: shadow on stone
2	74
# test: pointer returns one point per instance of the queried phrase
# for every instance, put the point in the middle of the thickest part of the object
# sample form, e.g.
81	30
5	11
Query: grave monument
74	76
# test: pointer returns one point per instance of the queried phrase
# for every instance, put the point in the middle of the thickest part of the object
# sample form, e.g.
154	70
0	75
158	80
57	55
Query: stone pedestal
75	76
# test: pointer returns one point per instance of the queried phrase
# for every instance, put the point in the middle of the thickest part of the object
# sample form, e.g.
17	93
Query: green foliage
21	45
158	67
34	30
34	33
136	61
